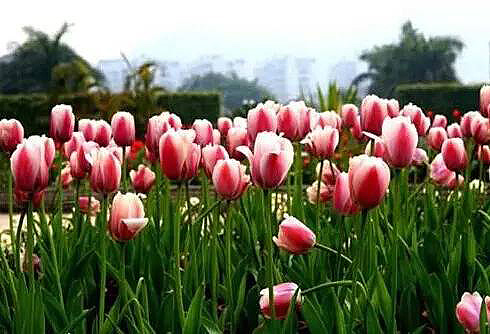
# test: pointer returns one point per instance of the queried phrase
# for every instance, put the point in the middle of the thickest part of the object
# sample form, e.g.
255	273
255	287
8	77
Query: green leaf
193	320
313	317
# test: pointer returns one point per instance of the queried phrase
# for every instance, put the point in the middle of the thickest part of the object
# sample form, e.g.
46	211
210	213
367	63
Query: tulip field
368	219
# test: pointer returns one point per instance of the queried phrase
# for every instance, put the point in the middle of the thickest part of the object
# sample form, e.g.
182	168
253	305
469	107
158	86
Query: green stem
178	284
124	166
157	196
78	221
229	284
298	183
60	198
331	250
18	238
326	285
214	258
103	273
30	243
11	215
270	264
319	182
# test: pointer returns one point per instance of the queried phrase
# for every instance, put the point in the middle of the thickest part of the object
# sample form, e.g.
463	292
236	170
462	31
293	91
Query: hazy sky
255	30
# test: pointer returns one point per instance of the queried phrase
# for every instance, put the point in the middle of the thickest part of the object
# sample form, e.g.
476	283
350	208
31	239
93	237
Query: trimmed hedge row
440	98
33	110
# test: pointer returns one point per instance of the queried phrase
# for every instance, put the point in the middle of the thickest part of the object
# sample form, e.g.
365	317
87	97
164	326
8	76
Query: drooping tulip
373	112
211	154
236	137
322	142
436	137
271	160
204	132
485	100
105	175
224	124
480	130
483	153
324	196
76	140
127	217
103	133
439	120
420	157
349	115
294	236
11	134
62	123
369	178
123	128
229	179
466	121
283	294
393	108
342	201
179	156
454	131
468	311
31	162
142	179
454	154
89	205
421	122
261	118
400	139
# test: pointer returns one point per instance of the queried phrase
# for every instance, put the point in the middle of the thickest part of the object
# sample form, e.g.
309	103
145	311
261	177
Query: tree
45	64
414	59
234	89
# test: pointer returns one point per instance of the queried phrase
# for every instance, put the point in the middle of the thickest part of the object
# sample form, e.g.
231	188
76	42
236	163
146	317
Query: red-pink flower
349	115
289	122
283	294
454	154
466	121
400	140
420	157
436	137
327	118
89	205
211	154
88	128
76	140
103	133
179	156
11	134
204	132
123	129
342	200
480	130
66	178
393	108
483	153
373	112
262	118
325	195
216	137
229	179
62	123
468	311
439	121
224	124
237	137
294	236
22	198
127	217
106	171
329	172
441	175
379	148
142	179
454	131
421	122
322	142
484	100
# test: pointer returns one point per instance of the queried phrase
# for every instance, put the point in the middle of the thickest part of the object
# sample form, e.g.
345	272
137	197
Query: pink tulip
11	134
326	193
349	115
22	198
271	160
393	108
172	119
142	179
103	133
400	138
480	130
216	137
85	157
454	131
421	122
204	132
224	124
466	121
373	112
289	122
283	293
66	178
294	236
420	157
179	156
454	154
468	311
88	127
329	172
439	121
127	217
322	142
106	172
369	178
261	118
123	128
379	148
156	127
211	154
89	205
441	175
483	154
62	123
240	122
436	137
342	200
31	162
236	137
484	99
327	118
76	140
229	179
356	130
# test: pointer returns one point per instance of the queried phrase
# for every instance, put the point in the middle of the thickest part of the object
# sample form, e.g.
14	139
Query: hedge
33	110
440	98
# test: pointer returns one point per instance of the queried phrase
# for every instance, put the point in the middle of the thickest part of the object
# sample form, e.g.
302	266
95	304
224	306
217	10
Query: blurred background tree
45	64
414	59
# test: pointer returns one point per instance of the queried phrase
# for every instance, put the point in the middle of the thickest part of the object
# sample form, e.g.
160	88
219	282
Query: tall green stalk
178	285
30	243
229	284
266	207
319	182
298	183
214	259
103	269
158	181
13	236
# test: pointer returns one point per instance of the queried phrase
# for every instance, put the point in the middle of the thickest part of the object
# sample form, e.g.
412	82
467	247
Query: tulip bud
123	129
439	121
420	157
466	121
454	131
62	123
369	178
89	205
224	124
283	293
262	118
393	108
400	138
342	200
88	127
483	154
127	217
229	178
204	132
142	179
289	122
294	236
236	137
373	112
436	137
454	154
322	142
480	130
484	100
179	156
76	140
11	134
106	172
325	195
349	115
103	133
421	122
468	311
211	154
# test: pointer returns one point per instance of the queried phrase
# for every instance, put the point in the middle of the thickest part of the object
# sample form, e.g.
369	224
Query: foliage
333	99
414	59
234	89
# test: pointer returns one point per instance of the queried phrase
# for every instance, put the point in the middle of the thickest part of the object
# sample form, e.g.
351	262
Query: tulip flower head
283	295
262	118
454	154
468	311
421	122
322	142
224	124
420	157
62	123
439	120
204	132
11	134
465	122
454	131
483	153
327	118
480	130
123	128
179	155
436	137
373	112
236	137
127	217
349	115
342	200
76	140
325	195
142	179
484	99
89	205
393	108
105	174
294	236
400	138
229	179
211	154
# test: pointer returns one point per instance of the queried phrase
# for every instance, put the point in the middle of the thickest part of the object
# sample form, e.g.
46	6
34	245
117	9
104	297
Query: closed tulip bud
322	142
349	115
211	154
229	179
373	112
289	122
89	205
439	121
329	172
400	138
88	127
436	137
224	124
142	179
106	172
484	99
468	311
236	137
454	131
441	175
127	217
420	157
103	133
369	178
327	118
261	118
325	195
216	137
342	201
454	154
421	122
123	129
294	236
283	294
179	156
393	108
11	134
483	153
62	123
77	139
155	128
466	121
66	178
240	122
271	160
31	162
480	130
204	132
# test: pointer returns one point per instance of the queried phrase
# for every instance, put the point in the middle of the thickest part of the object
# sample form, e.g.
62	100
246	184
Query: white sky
253	29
